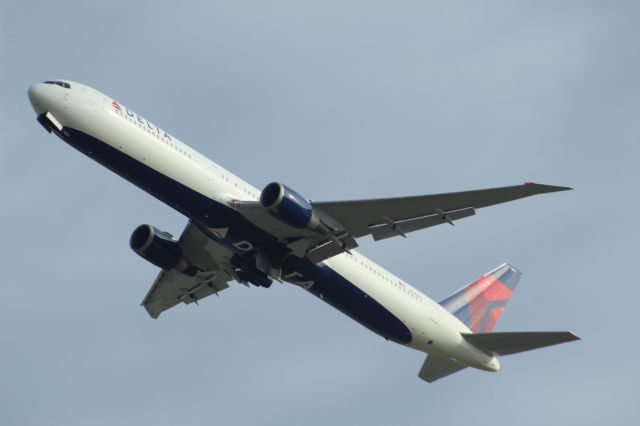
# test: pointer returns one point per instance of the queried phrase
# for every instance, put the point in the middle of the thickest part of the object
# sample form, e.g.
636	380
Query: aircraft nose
47	101
49	96
39	97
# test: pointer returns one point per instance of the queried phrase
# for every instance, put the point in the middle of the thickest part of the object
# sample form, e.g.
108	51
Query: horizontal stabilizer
514	342
435	368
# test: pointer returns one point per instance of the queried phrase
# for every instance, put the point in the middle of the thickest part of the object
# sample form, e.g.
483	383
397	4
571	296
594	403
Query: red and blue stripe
480	304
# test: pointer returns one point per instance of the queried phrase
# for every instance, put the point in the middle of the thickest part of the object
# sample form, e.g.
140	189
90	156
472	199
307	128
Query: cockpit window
59	83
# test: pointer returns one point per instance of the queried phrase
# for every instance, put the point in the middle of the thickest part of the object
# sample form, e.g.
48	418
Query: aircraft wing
382	218
172	287
363	217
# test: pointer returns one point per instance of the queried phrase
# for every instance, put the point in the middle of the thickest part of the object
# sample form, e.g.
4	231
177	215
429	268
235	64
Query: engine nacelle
288	206
161	249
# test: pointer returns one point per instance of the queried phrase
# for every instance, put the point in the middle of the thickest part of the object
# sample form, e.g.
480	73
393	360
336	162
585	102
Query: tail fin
480	304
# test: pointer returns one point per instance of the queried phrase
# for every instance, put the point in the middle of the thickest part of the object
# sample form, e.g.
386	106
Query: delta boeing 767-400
236	232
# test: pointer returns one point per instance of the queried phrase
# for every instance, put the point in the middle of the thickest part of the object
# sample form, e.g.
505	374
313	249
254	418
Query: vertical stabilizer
480	304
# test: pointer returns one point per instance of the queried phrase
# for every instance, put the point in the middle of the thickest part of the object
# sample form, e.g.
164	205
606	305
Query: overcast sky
339	100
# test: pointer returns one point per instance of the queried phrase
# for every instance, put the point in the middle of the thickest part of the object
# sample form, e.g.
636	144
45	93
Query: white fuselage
433	329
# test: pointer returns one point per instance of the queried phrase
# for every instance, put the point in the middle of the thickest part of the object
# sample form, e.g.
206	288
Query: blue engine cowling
288	206
160	248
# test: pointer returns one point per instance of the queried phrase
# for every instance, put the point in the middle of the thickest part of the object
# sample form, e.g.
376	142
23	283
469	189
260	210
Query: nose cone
37	96
45	97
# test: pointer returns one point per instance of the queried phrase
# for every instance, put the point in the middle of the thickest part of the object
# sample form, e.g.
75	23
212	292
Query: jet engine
289	207
161	249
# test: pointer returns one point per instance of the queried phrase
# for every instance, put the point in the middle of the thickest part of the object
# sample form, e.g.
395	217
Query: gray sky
339	100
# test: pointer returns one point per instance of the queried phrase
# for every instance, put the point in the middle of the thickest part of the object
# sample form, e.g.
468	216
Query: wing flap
391	229
171	288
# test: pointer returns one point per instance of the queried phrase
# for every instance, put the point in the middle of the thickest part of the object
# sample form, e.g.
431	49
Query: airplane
236	232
